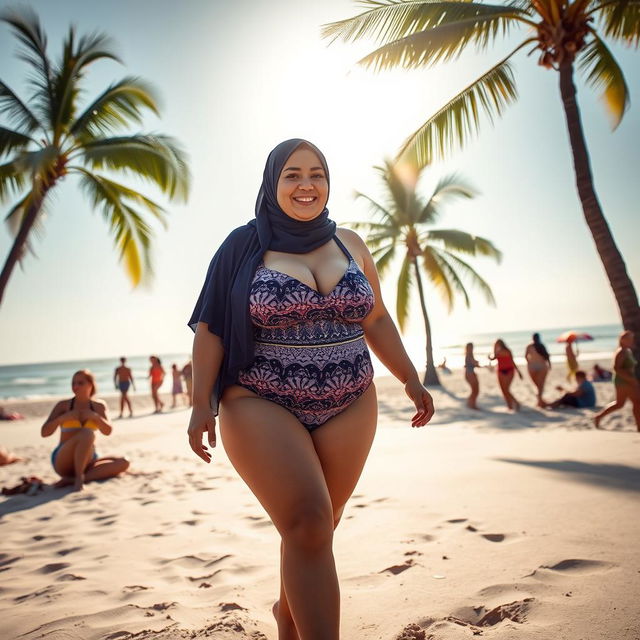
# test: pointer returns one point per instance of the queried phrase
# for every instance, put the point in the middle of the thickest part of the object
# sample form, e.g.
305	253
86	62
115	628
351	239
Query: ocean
53	379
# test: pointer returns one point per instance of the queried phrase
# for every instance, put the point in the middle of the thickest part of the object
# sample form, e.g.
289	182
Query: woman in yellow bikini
75	458
624	379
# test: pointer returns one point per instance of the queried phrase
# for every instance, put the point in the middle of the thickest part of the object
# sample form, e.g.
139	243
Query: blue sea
53	379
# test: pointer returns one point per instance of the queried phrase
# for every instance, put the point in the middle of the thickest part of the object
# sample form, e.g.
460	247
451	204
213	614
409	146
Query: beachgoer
443	366
538	365
599	374
156	375
572	360
470	364
176	387
626	384
506	370
583	396
123	379
280	340
8	457
187	374
75	458
10	415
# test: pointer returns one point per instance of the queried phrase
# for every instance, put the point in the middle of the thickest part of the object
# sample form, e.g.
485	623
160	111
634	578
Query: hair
174	366
581	374
539	347
469	347
501	343
123	359
89	377
156	358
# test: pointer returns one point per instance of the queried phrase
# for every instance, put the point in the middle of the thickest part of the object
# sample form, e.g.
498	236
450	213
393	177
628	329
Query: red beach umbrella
573	336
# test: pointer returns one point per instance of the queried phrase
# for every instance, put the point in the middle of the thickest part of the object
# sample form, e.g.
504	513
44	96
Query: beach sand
488	523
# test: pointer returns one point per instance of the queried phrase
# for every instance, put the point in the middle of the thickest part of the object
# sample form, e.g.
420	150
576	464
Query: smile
305	199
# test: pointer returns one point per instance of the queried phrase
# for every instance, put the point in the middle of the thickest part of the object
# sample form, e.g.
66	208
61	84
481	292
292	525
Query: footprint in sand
69	577
573	566
52	568
66	552
399	568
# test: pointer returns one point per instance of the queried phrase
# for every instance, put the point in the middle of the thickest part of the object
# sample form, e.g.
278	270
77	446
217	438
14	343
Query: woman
470	364
156	375
280	340
626	384
75	458
572	360
538	365
506	370
176	387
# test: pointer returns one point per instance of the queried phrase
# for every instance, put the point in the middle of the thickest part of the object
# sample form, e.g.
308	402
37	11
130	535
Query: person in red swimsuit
506	370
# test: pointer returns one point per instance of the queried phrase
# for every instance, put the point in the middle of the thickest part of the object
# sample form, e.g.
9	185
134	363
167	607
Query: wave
29	381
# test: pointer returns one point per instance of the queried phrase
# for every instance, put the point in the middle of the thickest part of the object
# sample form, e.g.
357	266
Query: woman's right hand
202	420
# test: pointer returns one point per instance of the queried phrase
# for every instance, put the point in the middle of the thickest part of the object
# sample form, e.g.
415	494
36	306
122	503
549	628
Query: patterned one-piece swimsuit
310	353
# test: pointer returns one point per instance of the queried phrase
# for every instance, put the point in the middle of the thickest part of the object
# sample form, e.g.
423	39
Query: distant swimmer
123	379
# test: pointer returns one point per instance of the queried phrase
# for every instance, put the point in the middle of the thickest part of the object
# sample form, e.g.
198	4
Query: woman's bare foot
596	422
65	481
78	484
286	628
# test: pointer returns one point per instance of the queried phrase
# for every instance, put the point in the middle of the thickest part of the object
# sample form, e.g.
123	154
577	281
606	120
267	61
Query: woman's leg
73	456
275	456
618	403
472	380
504	379
107	467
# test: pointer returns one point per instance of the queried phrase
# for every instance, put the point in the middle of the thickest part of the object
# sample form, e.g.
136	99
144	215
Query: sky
238	78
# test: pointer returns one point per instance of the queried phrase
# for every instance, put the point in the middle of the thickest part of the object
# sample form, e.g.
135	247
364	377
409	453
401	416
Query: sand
487	523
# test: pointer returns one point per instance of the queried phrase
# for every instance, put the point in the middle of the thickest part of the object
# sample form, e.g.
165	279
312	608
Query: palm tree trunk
612	260
21	238
430	373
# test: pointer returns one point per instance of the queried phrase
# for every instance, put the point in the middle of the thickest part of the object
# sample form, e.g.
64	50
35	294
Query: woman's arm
207	360
99	416
56	416
383	338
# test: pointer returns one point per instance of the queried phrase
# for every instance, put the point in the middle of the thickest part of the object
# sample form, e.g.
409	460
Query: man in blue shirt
583	396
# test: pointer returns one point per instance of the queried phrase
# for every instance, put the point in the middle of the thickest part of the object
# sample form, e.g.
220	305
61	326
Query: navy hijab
224	300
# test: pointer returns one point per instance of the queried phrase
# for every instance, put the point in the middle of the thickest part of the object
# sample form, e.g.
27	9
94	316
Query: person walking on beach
75	458
470	364
156	376
572	360
176	386
281	327
123	379
538	365
187	374
626	384
506	370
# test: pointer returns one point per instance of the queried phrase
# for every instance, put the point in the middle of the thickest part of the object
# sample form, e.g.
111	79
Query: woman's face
303	188
80	386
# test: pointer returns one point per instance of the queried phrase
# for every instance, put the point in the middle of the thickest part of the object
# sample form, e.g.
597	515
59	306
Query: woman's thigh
342	445
64	461
275	456
472	380
505	380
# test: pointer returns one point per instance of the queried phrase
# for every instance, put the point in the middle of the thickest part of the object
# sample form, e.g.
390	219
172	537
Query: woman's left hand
422	400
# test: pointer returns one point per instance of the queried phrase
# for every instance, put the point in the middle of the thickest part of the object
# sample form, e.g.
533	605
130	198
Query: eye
318	176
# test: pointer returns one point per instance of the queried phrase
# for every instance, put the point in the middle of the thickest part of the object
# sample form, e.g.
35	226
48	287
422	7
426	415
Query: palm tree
51	137
567	33
400	229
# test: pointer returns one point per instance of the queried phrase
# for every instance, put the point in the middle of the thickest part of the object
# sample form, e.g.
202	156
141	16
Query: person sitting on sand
624	379
470	364
123	379
600	374
8	457
10	415
538	365
75	458
506	370
582	397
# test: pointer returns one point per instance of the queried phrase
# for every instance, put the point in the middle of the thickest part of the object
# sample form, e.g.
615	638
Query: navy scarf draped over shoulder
223	303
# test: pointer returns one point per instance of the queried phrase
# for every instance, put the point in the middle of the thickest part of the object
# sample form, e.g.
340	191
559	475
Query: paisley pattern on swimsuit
310	352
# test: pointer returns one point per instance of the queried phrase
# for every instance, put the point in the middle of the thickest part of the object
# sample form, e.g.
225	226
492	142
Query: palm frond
620	20
40	163
403	298
13	141
447	40
13	219
383	257
474	277
459	119
392	20
603	72
376	208
132	235
119	105
75	57
452	278
463	242
448	189
12	180
153	157
26	25
437	276
16	110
